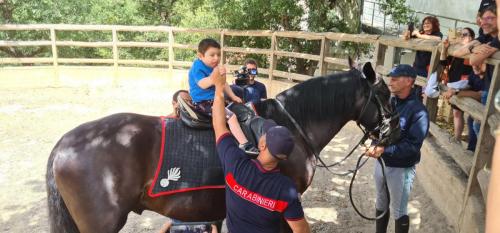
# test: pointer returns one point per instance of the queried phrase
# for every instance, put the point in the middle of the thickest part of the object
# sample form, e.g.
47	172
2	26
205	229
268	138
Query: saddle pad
188	160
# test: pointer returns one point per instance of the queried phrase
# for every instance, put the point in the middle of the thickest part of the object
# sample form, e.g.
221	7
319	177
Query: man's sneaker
250	149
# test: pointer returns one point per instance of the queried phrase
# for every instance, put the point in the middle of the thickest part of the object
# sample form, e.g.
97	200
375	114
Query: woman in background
459	70
430	31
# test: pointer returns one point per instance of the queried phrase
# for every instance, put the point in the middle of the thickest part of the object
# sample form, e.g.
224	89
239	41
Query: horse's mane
320	98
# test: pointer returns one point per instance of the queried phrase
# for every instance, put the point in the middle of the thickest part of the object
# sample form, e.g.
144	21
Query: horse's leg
60	219
93	198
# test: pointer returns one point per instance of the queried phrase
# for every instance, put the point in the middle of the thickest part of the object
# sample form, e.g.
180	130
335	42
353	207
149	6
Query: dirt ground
32	119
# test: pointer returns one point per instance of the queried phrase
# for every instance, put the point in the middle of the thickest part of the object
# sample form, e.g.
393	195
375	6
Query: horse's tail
60	220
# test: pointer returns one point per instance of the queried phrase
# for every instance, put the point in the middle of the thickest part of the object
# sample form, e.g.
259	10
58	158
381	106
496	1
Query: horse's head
377	115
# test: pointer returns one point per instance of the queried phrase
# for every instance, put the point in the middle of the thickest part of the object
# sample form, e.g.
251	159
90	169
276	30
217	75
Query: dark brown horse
101	170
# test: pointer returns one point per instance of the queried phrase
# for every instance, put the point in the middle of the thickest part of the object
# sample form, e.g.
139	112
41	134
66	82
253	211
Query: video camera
243	75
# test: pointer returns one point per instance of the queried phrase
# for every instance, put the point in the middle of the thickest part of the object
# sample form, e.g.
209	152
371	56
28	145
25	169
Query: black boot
403	224
381	224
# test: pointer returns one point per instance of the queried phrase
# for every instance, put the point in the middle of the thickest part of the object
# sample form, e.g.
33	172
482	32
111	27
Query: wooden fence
476	167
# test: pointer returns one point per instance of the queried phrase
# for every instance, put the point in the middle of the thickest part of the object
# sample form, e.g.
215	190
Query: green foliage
68	12
400	13
291	15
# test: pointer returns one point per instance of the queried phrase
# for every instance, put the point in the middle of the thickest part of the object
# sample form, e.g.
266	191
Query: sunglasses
465	35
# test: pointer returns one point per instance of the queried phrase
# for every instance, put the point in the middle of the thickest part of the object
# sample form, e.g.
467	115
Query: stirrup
187	107
192	119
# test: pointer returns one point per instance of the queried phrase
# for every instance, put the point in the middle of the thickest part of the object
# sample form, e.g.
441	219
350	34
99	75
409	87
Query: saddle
250	123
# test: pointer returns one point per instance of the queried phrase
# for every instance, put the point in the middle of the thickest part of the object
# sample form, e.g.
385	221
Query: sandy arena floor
32	119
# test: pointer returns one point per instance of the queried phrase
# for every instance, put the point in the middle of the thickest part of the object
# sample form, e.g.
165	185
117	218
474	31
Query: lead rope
354	172
351	185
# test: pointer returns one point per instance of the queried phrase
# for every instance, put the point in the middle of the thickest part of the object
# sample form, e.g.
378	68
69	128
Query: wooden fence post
484	148
273	57
115	48
54	55
432	103
171	55
392	53
380	54
222	55
54	47
325	51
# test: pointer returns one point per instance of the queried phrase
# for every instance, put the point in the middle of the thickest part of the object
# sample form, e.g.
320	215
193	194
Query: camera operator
246	87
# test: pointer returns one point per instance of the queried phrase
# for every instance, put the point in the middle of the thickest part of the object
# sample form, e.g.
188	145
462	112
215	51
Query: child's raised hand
218	78
222	70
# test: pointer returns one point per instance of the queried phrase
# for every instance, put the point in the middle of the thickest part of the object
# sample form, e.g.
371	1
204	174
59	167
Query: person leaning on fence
482	48
258	196
473	89
430	31
484	4
458	72
402	157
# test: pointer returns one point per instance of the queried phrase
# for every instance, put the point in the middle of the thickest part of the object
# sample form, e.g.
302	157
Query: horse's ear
369	73
351	63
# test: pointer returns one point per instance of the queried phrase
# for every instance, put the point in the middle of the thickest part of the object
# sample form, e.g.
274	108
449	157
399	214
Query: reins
359	164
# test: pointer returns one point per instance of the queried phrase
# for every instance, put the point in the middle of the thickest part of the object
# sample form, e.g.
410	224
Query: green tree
69	12
290	15
158	12
397	9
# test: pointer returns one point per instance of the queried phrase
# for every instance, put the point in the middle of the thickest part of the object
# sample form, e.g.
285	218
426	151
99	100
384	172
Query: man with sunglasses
258	196
254	91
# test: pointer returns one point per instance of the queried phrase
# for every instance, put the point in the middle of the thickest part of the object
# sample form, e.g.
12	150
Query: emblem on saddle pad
174	174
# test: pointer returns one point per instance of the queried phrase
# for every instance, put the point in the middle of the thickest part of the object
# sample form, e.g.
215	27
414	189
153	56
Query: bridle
386	116
383	128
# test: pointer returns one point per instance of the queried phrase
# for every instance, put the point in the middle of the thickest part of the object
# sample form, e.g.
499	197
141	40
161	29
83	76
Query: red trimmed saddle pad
188	160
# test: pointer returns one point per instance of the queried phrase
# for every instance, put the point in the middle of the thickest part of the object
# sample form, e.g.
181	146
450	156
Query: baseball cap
279	139
486	4
403	70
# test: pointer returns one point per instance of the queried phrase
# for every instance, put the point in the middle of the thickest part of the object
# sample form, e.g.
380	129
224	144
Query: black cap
486	4
279	139
403	70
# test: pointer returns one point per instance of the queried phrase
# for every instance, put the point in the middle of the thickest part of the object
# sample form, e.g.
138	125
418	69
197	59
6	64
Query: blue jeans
472	135
476	126
422	72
